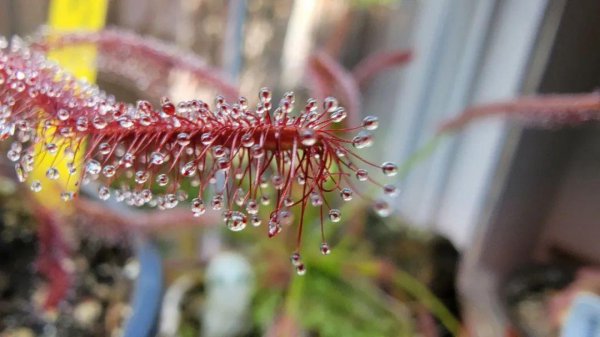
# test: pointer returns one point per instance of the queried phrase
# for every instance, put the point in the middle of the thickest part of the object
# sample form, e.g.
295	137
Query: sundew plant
237	155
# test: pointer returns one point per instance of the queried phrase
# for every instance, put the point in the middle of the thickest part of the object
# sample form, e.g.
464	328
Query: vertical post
232	46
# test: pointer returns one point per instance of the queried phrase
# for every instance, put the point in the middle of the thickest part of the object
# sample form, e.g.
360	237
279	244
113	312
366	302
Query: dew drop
335	215
315	199
99	122
51	147
217	202
277	181
362	140
265	95
255	220
247	140
82	124
362	175
389	169
257	151
170	201
206	138
382	208
274	227
183	139
157	158
237	221
265	200
189	169
370	123
36	186
390	190
218	151
252	207
325	250
109	171
92	167
67	196
52	173
141	177
162	179
104	148
346	194
308	137
21	174
301	269
63	114
338	115
296	259
198	207
13	155
103	193
330	104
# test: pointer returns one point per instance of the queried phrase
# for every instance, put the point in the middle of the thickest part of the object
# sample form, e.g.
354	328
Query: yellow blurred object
67	15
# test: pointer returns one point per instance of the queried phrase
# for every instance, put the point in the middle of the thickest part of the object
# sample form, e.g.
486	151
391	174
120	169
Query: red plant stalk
236	159
145	61
378	62
52	257
542	110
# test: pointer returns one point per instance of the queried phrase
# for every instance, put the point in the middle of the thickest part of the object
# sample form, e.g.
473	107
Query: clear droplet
265	200
162	179
237	221
255	220
104	148
141	177
21	174
257	151
335	215
315	199
370	123
103	193
362	175
296	259
157	158
13	155
52	173
189	169
308	137
325	250
198	207
338	115
217	202
362	140
301	269
109	171
265	95
390	190
183	139
67	196
247	140
389	169
252	207
63	114
36	186
274	227
92	167
346	194
170	201
277	181
330	104
382	208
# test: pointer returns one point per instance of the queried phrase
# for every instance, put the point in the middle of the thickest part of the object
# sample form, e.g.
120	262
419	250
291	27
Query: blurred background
493	234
